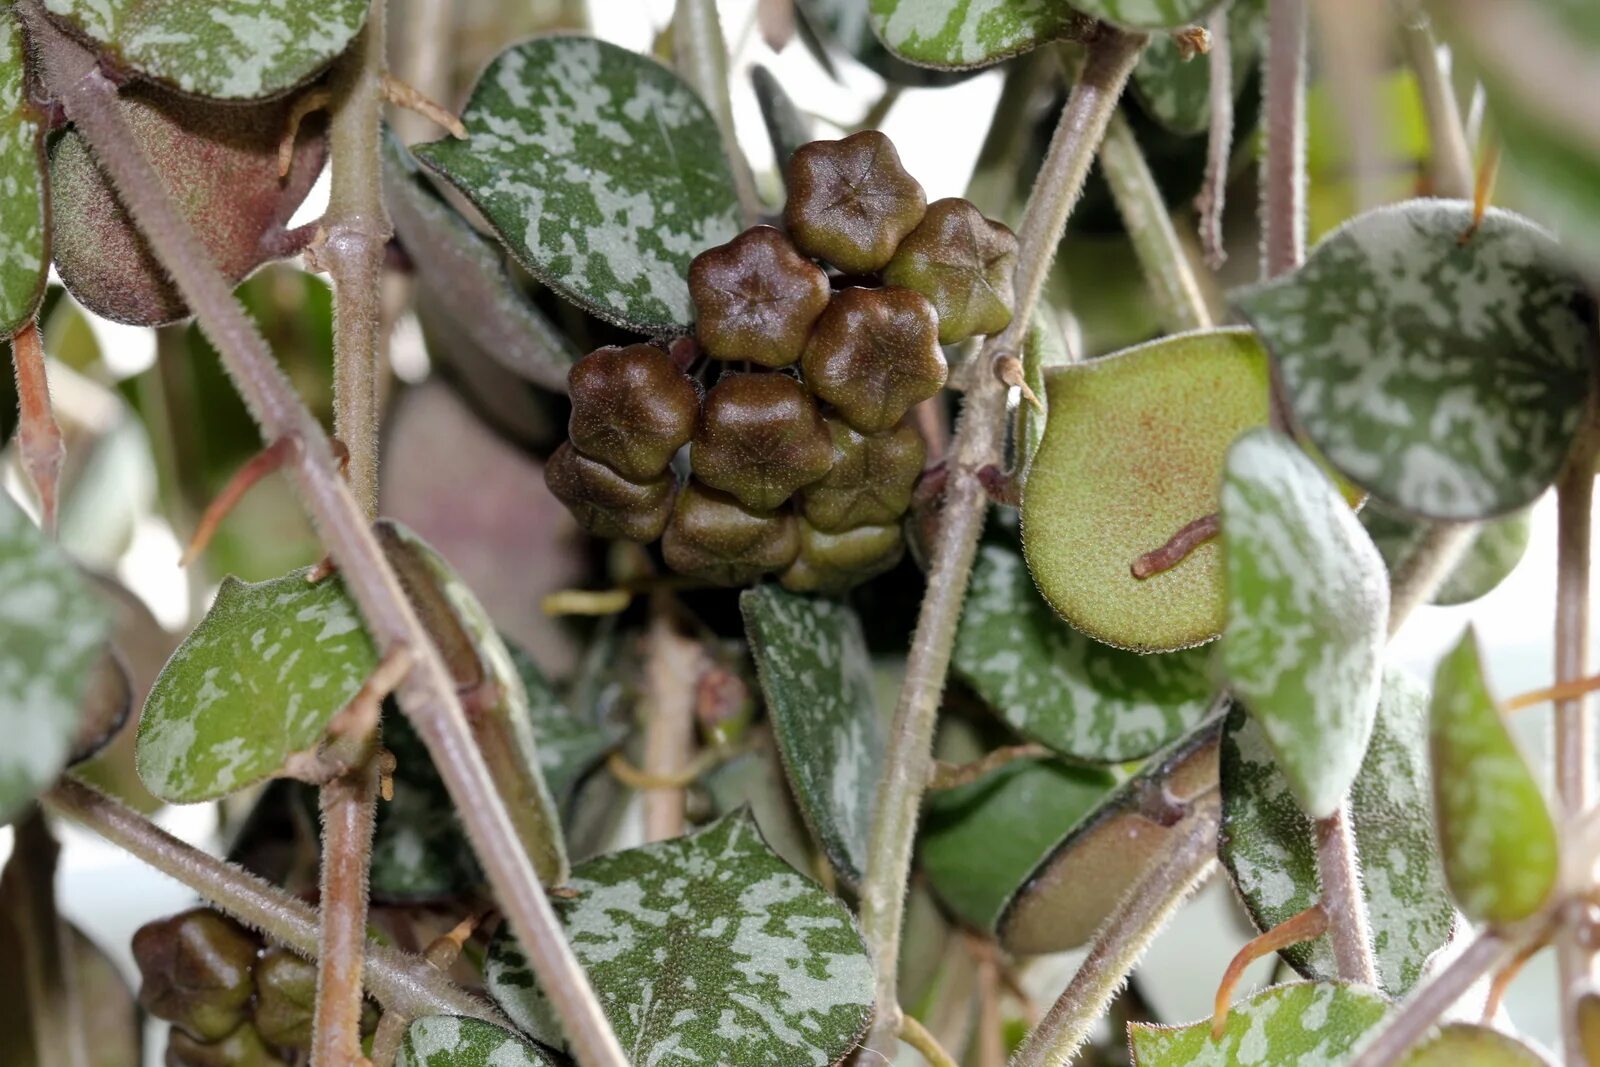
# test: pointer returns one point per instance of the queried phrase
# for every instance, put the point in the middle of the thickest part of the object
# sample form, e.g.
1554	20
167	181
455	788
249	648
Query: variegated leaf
1444	374
707	949
1496	834
847	25
1495	549
52	631
228	49
601	171
1303	1024
419	850
452	1041
811	659
259	679
1177	91
1084	699
24	244
1132	453
1469	1045
1308	608
1148	14
1269	846
570	741
960	34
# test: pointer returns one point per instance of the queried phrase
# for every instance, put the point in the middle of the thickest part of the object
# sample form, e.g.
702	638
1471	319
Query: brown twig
1179	548
38	436
1307	925
672	666
950	775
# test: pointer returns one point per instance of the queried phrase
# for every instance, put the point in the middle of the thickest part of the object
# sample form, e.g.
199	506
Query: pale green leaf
1043	350
228	49
1445	376
811	659
24	245
1177	91
601	171
959	34
1495	832
452	1041
1303	1024
258	680
1308	609
707	949
52	631
1148	14
1468	1045
1269	848
1495	549
979	841
1084	699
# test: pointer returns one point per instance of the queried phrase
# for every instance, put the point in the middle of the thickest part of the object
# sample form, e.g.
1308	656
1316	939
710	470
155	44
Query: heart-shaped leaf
811	659
1084	699
1132	453
1495	549
601	171
453	1041
1302	1024
1495	832
24	244
1269	846
709	949
960	34
52	631
1177	91
1063	901
258	680
1467	1045
1308	611
829	26
980	840
1444	374
1148	14
227	49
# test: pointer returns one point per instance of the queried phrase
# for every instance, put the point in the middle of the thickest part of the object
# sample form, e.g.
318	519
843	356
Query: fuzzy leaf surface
1177	91
1303	1024
451	1041
960	34
24	243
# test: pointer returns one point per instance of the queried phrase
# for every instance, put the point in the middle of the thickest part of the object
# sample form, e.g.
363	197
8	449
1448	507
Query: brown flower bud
197	968
761	438
756	298
851	202
963	263
871	480
604	502
241	1048
834	562
286	998
715	538
632	409
875	353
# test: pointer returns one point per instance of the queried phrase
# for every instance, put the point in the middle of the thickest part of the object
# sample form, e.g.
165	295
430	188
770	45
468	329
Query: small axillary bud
851	202
756	298
632	409
761	438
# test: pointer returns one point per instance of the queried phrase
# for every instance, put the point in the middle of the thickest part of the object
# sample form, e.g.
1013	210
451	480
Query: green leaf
1303	1024
1132	453
258	680
846	26
980	840
1083	699
1269	846
601	170
1069	893
228	49
24	244
708	949
452	1041
1495	549
960	34
1495	832
811	660
1177	91
1043	350
1308	615
52	631
1445	377
1148	14
419	850
570	744
1468	1045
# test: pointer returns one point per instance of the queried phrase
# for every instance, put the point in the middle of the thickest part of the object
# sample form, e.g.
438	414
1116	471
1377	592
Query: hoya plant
653	607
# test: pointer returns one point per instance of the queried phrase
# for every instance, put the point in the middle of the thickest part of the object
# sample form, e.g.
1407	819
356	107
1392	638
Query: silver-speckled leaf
227	49
1177	91
811	660
52	631
959	34
570	741
451	1041
259	679
1303	1024
1148	14
1053	684
1470	1045
826	26
601	171
420	852
1445	377
1308	610
1496	547
707	949
24	245
1269	848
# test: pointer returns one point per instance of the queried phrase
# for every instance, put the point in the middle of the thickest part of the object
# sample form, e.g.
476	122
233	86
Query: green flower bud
963	263
286	999
874	354
871	480
835	562
632	409
198	969
756	298
715	538
760	438
604	502
241	1048
851	202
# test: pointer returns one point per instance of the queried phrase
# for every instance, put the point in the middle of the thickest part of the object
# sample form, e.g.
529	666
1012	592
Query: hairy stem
1450	161
38	436
672	666
978	440
917	1036
1179	304
702	58
45	953
349	806
1342	900
1283	165
1122	941
1219	142
428	695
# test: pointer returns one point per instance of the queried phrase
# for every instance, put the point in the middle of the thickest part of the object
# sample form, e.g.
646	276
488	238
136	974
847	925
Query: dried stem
428	696
38	437
1283	165
1123	939
951	775
1213	196
425	30
672	665
1342	900
978	439
702	59
45	952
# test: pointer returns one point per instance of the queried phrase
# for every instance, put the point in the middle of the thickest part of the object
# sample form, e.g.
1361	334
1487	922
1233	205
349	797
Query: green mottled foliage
24	244
1305	1024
